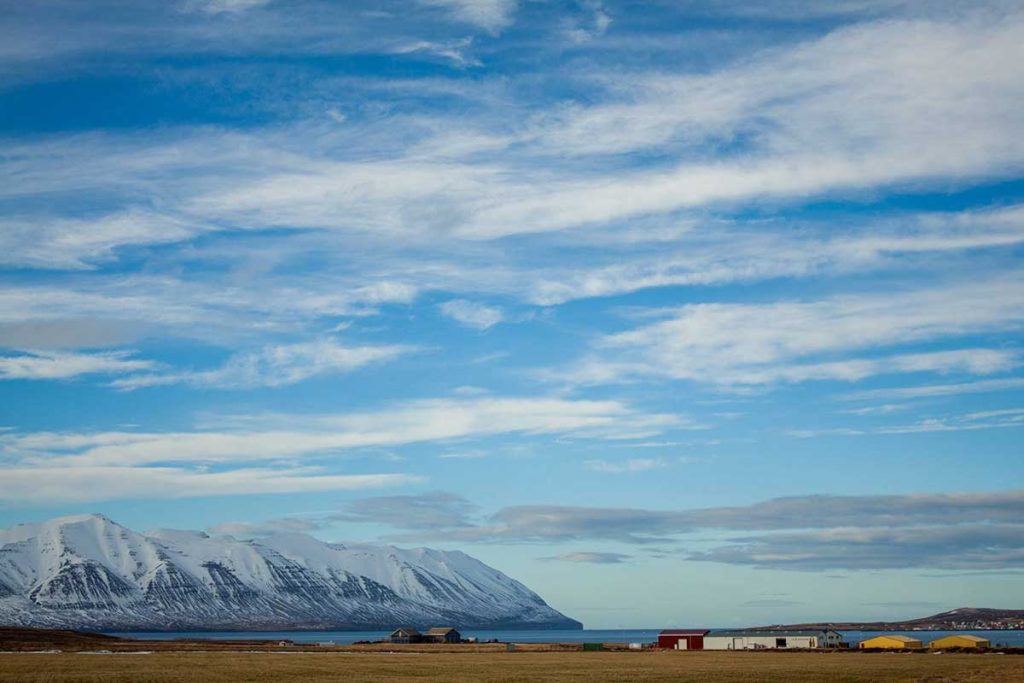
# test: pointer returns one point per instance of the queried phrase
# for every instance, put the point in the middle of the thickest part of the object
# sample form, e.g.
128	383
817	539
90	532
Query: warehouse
769	640
682	639
960	640
891	642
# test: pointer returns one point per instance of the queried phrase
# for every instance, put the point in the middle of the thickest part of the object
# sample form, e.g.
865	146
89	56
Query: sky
682	313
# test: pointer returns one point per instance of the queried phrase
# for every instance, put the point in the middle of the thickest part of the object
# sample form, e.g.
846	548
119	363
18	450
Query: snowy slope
90	572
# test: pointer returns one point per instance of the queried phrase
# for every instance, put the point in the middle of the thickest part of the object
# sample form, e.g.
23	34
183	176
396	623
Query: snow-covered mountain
90	572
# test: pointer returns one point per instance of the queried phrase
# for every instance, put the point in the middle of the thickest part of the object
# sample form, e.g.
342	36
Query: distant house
770	640
405	636
960	640
891	641
442	634
682	639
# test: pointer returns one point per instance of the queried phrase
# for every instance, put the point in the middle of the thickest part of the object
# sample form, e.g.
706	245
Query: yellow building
891	642
962	640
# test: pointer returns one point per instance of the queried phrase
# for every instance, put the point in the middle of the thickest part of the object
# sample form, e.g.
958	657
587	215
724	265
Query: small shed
442	634
891	641
682	639
960	640
405	636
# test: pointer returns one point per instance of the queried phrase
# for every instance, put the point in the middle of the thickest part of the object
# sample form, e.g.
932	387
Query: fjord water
998	638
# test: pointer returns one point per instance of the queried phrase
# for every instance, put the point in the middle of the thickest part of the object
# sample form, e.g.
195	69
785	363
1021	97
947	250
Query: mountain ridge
88	571
959	619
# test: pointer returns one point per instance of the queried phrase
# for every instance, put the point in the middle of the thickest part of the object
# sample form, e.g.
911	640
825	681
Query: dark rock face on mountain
90	572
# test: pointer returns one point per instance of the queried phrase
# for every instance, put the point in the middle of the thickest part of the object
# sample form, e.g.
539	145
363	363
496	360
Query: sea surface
998	638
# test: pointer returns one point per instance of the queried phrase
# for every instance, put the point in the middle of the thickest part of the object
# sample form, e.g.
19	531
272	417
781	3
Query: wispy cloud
782	341
266	528
1005	418
490	15
275	366
590	558
625	466
50	485
982	546
436	510
302	435
229	6
937	390
472	314
454	50
944	531
58	365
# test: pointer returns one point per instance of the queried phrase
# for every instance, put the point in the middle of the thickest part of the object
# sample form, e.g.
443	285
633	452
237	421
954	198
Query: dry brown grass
513	667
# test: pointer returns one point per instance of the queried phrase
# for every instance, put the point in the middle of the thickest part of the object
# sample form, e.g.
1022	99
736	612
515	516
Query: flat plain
512	667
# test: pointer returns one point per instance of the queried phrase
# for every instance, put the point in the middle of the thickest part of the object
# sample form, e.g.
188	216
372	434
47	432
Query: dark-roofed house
405	636
442	634
682	639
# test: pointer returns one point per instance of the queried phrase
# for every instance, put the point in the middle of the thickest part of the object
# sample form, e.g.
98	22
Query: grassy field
596	667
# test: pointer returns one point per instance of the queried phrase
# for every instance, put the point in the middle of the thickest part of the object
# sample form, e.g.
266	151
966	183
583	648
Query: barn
442	634
682	639
771	640
891	641
960	640
405	635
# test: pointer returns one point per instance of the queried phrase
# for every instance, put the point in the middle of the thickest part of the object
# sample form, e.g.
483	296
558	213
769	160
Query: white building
759	640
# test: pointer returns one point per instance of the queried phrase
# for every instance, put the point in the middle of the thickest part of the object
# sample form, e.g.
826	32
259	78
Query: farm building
960	640
891	642
682	639
766	640
405	636
443	634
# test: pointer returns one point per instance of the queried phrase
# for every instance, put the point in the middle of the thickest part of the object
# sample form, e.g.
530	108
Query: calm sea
999	638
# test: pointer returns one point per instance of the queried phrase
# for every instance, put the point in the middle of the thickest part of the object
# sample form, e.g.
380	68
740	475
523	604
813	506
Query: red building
682	639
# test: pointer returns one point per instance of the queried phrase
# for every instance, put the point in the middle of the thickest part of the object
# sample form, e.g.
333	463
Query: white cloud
490	15
43	365
472	314
224	6
626	466
718	252
590	558
937	390
454	50
295	436
594	26
65	243
80	484
274	366
780	342
269	527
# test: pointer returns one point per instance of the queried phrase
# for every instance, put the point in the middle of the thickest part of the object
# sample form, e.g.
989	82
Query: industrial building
781	639
682	639
891	642
960	640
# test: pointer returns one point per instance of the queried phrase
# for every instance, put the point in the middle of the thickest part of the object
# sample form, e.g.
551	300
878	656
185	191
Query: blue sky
680	312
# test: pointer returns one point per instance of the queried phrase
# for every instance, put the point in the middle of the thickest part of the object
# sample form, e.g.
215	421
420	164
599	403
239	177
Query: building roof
768	634
440	630
963	636
406	631
684	632
894	636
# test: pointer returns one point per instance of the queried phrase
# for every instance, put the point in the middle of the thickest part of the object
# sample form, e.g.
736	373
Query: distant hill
963	618
88	572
